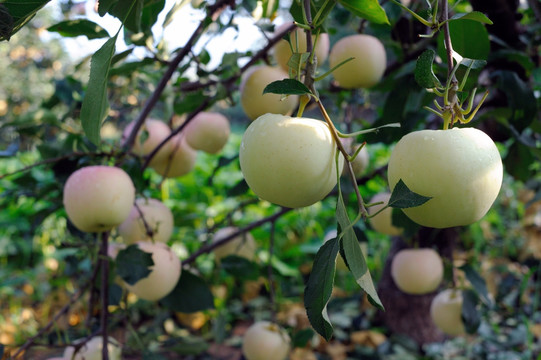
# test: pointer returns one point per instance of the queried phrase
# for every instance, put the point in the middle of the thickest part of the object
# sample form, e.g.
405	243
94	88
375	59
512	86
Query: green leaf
132	264
95	104
370	10
240	267
187	102
424	74
474	15
131	11
474	64
14	14
200	298
319	288
287	87
402	197
105	5
470	315
185	345
302	337
478	283
401	220
469	38
322	7
74	28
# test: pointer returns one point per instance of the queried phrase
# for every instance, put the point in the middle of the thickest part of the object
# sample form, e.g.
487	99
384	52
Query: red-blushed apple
368	65
266	341
151	134
243	245
207	131
93	348
382	222
157	217
180	162
98	198
289	161
252	99
417	271
446	312
164	274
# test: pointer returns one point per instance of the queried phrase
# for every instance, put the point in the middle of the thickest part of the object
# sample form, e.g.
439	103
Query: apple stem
104	264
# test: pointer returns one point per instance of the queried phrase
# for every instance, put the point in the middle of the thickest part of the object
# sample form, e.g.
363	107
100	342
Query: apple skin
254	102
180	162
157	132
243	246
367	69
207	131
164	274
417	271
282	50
446	312
92	350
157	216
383	222
461	169
289	161
266	341
98	198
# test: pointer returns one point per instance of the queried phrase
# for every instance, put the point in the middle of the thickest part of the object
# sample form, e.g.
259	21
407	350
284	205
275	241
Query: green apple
157	217
207	131
180	161
383	222
282	50
152	133
417	271
98	198
164	274
266	341
289	161
93	348
460	169
368	65
243	245
446	312
252	99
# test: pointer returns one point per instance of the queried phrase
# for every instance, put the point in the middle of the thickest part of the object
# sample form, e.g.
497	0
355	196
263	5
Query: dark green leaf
186	345
469	38
132	264
470	315
287	87
478	283
402	197
319	288
131	11
14	14
518	160
115	294
424	75
200	298
188	102
105	5
95	104
302	337
239	189
474	15
129	68
370	10
240	267
401	220
322	6
474	64
73	28
151	10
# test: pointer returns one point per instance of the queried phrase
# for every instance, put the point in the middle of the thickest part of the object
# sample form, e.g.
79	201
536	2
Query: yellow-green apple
164	274
98	198
179	162
417	271
252	99
207	131
149	220
243	245
152	133
266	341
289	161
460	169
282	49
383	222
368	65
93	348
446	312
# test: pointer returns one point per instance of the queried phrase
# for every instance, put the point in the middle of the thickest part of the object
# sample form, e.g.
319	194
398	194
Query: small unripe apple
207	131
164	274
98	198
368	65
460	169
289	161
153	132
417	271
383	222
243	245
359	164
93	348
252	99
180	162
446	312
282	49
157	217
266	341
